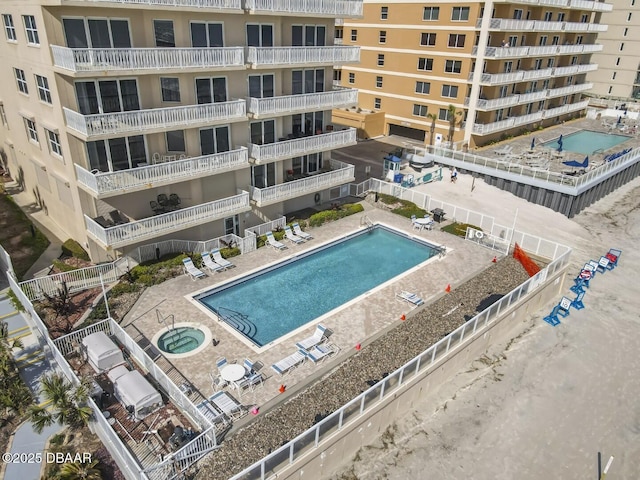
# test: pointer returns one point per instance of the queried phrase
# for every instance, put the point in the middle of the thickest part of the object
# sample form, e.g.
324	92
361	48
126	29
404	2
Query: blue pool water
280	299
587	141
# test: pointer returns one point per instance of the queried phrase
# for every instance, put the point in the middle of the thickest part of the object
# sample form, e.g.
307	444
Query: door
214	140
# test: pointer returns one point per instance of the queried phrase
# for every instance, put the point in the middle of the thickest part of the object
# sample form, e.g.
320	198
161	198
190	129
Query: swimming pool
587	142
279	299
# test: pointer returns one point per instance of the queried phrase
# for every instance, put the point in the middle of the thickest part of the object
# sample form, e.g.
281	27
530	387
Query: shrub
459	229
325	216
405	208
121	288
71	248
17	304
63	267
229	252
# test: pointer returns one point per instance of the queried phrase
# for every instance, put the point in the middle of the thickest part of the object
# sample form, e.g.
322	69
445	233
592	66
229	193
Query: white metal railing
289	104
5	262
534	74
577	4
341	173
486	128
572	107
134	232
332	55
508	24
496	102
199	4
532	96
176	171
504	52
140	59
263	228
337	8
272	152
137	121
569	89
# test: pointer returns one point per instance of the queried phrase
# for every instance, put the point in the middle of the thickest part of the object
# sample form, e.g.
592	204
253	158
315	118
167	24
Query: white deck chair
298	231
217	257
227	404
210	264
275	243
319	335
285	365
211	412
292	237
412	298
320	352
192	270
506	149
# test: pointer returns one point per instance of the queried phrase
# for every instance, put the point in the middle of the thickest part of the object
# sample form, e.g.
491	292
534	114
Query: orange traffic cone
448	289
495	259
358	346
282	388
403	317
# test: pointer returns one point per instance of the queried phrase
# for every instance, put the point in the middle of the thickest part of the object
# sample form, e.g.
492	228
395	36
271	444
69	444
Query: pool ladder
237	320
163	319
365	221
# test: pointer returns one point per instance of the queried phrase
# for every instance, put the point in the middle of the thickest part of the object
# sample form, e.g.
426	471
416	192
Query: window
55	146
574	60
117	153
427	39
381	59
561	16
43	89
537	64
460	14
9	27
456	40
337	75
170	87
450	91
308	35
543	40
354	35
3	116
419	110
626	30
431	13
22	81
443	114
610	88
629	17
453	66
96	33
31	29
584	18
378	82
377	103
216	140
555	40
106	96
211	90
339	33
425	64
207	34
613	77
579	39
382	36
618	61
508	67
517	14
550	62
163	29
262	86
175	141
302	81
548	16
384	14
32	131
423	87
513	41
352	77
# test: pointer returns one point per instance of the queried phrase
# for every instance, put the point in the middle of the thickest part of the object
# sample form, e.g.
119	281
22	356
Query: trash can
438	215
397	178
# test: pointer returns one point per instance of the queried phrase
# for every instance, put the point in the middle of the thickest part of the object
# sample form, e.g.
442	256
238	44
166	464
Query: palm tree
454	121
80	471
432	129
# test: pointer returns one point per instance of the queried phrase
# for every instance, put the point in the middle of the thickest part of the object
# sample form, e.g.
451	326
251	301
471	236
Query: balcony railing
273	152
143	59
306	102
316	8
496	103
196	4
159	225
107	184
573	69
334	55
570	107
507	24
340	174
574	4
569	90
161	119
487	128
512	77
512	52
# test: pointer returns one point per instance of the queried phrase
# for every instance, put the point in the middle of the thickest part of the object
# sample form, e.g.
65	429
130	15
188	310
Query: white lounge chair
228	405
288	363
318	336
412	298
210	264
191	269
506	149
292	237
217	257
320	352
298	231
275	243
211	412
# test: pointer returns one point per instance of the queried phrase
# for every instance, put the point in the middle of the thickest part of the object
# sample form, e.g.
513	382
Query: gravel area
376	360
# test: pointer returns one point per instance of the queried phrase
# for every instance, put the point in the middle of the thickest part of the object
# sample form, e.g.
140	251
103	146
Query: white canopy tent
132	389
102	353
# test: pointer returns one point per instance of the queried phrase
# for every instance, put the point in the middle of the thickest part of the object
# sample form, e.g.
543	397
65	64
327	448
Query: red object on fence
448	289
529	265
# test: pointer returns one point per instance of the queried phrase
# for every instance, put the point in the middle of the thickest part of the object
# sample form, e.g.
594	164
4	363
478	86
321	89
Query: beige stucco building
132	122
504	66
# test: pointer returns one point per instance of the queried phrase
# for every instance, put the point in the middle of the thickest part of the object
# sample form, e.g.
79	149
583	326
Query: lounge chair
318	336
505	150
103	222
298	231
275	243
211	412
227	404
117	218
412	298
217	257
320	352
210	264
221	362
288	363
217	382
250	381
191	269
292	237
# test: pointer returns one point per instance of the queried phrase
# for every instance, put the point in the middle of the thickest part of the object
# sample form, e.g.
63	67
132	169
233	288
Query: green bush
123	287
406	208
17	304
459	229
325	216
71	248
229	252
155	272
63	267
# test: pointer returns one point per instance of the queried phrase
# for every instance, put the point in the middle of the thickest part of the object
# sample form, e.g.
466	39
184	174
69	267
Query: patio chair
250	381
227	404
103	222
217	257
320	352
412	298
415	224
298	231
117	218
210	264
292	237
319	335
217	382
275	243
192	270
163	201
287	364
174	201
221	362
157	209
211	412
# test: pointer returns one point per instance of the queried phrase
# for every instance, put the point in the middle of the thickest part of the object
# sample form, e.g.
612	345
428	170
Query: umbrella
560	140
619	119
533	143
560	148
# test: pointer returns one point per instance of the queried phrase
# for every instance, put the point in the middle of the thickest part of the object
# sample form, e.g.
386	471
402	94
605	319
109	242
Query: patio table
232	372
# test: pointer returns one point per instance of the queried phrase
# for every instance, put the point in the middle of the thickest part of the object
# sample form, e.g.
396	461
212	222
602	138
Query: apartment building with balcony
491	69
618	73
133	121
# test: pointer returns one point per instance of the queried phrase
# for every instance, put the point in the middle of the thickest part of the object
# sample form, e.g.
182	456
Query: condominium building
134	121
618	73
483	70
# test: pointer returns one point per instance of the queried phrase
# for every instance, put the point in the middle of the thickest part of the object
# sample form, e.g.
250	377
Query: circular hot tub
182	339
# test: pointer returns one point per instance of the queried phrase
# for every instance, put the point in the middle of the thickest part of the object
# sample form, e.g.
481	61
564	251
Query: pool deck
358	322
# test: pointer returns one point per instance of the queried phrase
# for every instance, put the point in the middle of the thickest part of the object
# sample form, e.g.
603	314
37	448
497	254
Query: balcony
298	147
569	108
153	120
511	100
569	90
588	5
574	69
307	102
299	56
340	174
507	25
109	184
89	61
520	52
513	77
314	8
166	223
197	5
506	124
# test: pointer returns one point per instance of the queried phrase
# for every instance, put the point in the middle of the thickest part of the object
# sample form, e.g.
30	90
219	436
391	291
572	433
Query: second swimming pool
275	301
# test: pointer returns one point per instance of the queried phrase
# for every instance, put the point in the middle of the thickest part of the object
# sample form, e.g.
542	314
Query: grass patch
459	229
401	207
